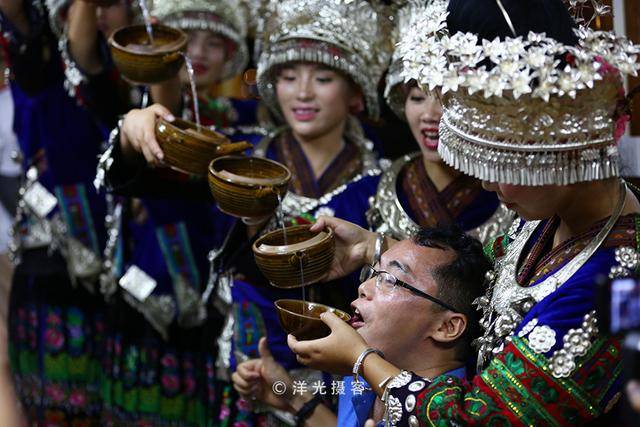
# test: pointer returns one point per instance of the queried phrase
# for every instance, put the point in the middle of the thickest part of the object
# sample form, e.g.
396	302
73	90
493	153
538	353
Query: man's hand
255	379
138	133
354	245
335	353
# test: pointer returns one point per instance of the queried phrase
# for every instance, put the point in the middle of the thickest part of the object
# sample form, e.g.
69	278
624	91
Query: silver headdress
351	36
224	17
394	90
57	10
511	112
577	10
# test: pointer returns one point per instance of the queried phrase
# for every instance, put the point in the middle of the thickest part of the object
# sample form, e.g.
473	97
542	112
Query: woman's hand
633	394
138	133
354	245
336	353
255	379
82	30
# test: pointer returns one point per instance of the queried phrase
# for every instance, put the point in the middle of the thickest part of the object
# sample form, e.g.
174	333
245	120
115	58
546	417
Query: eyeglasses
388	282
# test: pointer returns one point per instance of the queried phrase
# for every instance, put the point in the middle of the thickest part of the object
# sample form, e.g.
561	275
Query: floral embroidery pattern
518	388
54	334
57	380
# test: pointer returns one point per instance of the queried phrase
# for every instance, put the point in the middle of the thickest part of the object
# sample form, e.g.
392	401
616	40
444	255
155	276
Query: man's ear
451	328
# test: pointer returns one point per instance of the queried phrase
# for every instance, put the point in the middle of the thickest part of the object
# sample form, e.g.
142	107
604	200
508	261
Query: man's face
394	320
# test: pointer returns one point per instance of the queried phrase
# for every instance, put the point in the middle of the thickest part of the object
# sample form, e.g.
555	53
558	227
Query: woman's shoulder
353	201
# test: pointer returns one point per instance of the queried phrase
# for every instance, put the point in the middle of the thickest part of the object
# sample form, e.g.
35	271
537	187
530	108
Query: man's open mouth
356	319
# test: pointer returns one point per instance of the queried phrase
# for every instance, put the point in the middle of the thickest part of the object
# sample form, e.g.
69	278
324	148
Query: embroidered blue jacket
55	134
253	308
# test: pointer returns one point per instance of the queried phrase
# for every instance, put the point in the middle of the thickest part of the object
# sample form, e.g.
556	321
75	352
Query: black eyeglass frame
364	275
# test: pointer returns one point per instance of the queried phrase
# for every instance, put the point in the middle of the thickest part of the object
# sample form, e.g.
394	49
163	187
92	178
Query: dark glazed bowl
304	260
248	187
190	149
302	318
143	64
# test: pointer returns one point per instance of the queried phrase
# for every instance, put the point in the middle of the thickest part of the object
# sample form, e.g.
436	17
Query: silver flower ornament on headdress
57	10
395	89
511	112
595	9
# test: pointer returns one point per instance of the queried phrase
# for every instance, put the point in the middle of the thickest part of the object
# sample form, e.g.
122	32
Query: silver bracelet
377	250
358	364
106	158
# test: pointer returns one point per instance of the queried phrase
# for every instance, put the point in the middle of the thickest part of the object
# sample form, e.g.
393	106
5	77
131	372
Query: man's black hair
484	18
462	280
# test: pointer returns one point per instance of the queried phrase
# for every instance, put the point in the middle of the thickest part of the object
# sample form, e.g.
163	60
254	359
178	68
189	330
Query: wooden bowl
141	63
302	318
248	187
302	261
191	150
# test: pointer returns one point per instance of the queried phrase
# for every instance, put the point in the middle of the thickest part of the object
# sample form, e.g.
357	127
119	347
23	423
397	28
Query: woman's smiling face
208	53
315	99
423	113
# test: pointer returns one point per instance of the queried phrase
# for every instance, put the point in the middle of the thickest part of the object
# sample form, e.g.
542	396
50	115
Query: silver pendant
39	200
138	283
82	262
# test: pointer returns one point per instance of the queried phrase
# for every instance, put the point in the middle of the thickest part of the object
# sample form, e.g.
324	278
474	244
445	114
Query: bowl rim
213	172
256	244
162	121
180	44
275	303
